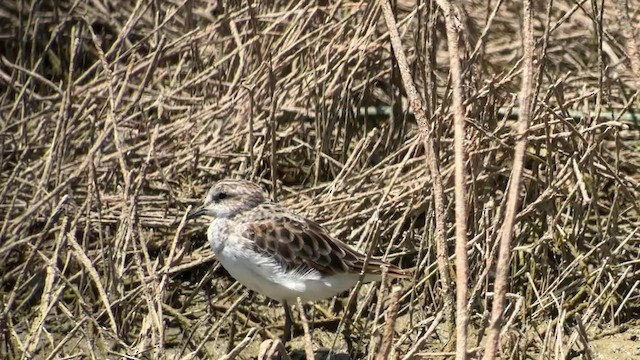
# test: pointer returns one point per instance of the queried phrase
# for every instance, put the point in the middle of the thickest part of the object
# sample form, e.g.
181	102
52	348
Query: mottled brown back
300	244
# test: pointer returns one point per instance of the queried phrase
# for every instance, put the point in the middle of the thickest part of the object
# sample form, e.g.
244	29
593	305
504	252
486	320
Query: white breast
262	273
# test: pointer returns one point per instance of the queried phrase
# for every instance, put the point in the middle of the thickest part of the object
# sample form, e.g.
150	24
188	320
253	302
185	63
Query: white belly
263	274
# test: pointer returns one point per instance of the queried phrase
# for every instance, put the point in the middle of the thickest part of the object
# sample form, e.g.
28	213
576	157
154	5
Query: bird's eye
222	196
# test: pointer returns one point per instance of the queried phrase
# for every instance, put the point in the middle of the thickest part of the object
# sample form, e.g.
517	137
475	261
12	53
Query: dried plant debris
116	116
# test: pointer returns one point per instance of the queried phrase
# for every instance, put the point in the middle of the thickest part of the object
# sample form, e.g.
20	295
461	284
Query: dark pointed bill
197	212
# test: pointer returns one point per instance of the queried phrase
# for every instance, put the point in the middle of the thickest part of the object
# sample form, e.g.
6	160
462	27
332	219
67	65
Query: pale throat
215	233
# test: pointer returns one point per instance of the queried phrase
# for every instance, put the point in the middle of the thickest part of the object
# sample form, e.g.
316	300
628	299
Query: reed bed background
117	116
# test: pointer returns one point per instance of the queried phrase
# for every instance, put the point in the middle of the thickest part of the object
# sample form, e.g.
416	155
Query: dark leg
287	322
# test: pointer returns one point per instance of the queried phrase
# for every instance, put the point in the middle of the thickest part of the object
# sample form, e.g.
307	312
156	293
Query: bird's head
227	198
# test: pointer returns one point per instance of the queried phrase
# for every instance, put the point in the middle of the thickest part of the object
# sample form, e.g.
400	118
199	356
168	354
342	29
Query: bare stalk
438	193
389	328
462	266
631	40
308	342
504	253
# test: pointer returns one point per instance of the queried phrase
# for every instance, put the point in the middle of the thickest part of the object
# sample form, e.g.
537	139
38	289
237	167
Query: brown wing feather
301	244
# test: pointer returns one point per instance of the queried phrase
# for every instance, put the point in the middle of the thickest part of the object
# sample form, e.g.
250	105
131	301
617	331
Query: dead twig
513	195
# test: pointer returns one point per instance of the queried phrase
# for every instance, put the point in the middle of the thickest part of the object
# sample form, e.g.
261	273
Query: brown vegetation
116	116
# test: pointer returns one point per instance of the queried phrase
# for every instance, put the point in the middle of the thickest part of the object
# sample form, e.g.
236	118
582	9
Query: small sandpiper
277	253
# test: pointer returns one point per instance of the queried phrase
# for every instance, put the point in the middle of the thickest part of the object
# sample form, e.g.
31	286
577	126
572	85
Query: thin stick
392	313
241	346
273	124
422	340
504	253
438	193
308	345
631	42
462	263
272	349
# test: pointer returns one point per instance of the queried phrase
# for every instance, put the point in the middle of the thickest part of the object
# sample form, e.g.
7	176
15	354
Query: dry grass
115	117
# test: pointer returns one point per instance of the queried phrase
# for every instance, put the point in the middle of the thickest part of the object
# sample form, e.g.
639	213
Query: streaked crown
227	198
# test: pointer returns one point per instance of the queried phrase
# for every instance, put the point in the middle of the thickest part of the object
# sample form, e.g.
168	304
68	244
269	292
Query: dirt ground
621	345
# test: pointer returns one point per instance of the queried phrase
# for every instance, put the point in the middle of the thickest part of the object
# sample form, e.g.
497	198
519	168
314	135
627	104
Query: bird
277	253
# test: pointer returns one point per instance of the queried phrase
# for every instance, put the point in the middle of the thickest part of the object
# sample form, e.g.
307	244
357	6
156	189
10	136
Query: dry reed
116	116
